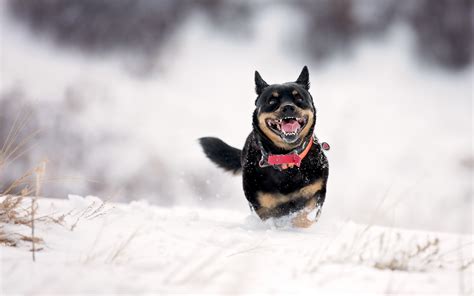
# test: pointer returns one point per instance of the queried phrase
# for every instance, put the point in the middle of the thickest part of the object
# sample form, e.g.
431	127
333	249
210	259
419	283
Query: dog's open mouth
288	128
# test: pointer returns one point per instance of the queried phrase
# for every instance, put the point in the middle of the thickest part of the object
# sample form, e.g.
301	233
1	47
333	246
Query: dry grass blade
11	146
121	247
13	197
90	212
13	211
39	173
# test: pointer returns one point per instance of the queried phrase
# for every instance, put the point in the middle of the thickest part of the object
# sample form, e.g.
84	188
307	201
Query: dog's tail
225	156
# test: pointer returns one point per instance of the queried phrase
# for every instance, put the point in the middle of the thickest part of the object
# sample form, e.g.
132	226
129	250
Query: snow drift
140	248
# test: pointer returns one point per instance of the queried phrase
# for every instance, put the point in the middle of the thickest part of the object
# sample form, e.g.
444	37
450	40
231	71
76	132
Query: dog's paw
301	220
308	216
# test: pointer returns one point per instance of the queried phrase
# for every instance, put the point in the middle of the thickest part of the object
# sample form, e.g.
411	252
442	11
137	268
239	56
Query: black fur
273	191
260	84
303	79
225	156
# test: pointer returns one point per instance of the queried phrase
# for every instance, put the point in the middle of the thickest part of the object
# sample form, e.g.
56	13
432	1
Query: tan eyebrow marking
275	94
294	92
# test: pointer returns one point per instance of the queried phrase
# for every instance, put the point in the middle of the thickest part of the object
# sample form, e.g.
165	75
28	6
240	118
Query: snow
141	248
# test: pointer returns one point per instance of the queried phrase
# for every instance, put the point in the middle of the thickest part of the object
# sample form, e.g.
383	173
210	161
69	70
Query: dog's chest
269	179
286	181
275	193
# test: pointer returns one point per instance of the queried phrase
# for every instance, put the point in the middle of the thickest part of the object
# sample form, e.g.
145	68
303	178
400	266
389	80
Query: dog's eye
297	96
272	101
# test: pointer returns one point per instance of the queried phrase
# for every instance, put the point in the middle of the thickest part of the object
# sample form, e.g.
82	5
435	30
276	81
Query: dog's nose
288	109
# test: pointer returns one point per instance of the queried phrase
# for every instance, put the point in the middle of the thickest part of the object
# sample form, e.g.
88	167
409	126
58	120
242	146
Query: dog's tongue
290	126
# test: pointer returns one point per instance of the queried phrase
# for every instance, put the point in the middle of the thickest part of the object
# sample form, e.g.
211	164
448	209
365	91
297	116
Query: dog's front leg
307	216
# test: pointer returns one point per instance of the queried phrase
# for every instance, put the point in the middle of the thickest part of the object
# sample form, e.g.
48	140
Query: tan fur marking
269	201
311	189
269	133
309	114
272	200
294	92
301	220
275	94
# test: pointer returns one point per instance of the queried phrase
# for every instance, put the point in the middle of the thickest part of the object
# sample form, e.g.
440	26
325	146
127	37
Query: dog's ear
260	84
303	79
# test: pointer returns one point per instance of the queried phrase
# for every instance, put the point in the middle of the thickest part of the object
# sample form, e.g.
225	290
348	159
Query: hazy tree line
443	28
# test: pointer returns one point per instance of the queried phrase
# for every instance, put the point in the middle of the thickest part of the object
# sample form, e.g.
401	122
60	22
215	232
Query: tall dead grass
18	199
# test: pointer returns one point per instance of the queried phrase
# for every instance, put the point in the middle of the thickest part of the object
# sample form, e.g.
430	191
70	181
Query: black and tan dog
284	168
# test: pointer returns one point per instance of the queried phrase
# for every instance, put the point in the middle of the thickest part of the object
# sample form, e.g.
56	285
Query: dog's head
284	113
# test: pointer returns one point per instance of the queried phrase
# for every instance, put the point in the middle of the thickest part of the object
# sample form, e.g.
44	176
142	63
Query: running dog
283	166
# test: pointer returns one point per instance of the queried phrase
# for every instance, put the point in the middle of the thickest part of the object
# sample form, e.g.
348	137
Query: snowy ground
138	248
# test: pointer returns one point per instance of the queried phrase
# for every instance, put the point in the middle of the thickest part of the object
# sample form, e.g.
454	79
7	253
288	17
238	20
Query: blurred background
117	92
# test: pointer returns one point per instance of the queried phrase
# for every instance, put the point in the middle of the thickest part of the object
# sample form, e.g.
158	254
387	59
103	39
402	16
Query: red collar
289	160
284	161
